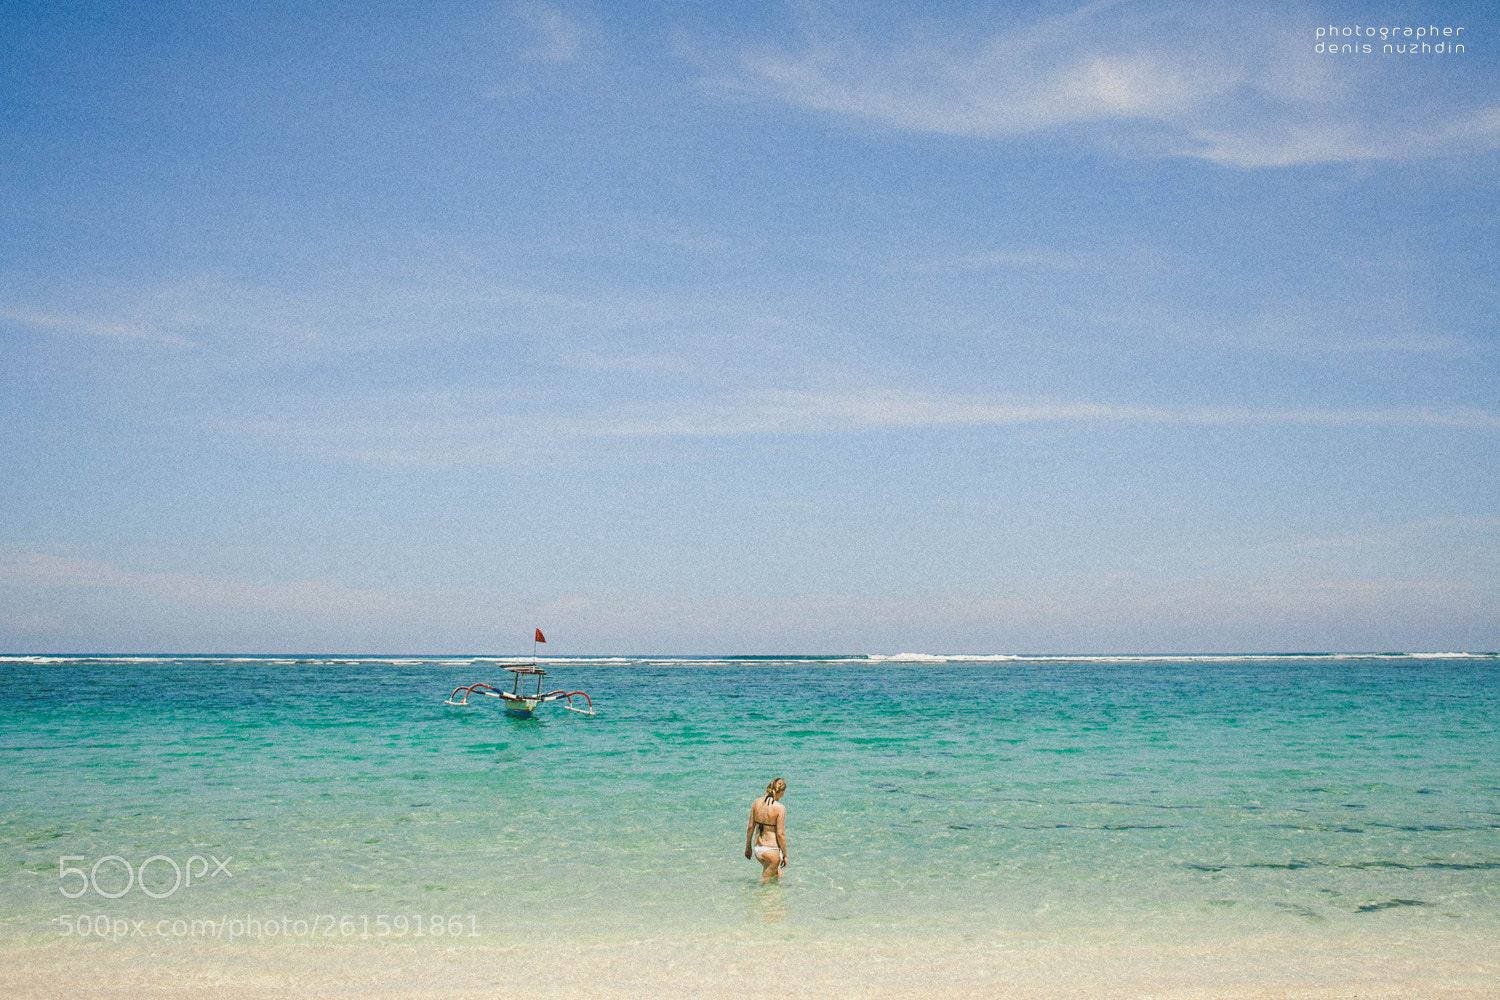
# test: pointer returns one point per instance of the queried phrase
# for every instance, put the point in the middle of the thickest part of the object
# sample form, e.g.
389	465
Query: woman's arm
781	834
749	828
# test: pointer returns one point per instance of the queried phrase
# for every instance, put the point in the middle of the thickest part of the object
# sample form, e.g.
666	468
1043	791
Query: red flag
540	637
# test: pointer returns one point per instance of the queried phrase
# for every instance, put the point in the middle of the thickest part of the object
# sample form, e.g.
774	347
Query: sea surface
982	799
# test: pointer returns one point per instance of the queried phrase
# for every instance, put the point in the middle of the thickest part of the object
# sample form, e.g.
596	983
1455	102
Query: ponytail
776	785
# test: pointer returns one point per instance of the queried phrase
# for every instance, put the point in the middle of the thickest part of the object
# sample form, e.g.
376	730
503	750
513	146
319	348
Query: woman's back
765	834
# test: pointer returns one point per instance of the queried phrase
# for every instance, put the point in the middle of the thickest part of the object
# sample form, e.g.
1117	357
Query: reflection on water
766	903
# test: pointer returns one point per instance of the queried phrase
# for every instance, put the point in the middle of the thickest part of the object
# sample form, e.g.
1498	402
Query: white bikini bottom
761	850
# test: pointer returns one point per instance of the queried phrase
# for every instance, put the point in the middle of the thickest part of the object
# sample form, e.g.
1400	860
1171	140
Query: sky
807	327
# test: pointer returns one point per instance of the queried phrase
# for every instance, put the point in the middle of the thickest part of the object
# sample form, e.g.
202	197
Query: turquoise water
1107	800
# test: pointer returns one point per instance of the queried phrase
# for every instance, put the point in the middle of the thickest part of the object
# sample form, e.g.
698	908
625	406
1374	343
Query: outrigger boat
518	702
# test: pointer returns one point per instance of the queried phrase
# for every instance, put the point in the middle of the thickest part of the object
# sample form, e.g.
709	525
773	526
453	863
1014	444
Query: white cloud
558	38
63	597
1006	88
319	597
472	432
1034	258
1323	138
439	301
1277	606
1079	613
65	323
1429	533
1239	87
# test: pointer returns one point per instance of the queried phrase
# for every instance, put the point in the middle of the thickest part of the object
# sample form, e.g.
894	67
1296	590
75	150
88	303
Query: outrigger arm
517	702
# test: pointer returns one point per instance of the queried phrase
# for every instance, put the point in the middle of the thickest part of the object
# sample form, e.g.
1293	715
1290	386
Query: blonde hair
776	786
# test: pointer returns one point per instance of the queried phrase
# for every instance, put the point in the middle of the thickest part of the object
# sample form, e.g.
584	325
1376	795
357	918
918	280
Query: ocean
954	802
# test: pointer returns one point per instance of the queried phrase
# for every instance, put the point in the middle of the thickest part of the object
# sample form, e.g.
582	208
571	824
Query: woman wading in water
765	837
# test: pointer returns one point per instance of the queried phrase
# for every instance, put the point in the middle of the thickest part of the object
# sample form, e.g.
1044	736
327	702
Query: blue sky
816	327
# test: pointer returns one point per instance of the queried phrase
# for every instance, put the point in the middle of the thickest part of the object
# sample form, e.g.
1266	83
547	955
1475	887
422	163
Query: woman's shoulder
767	809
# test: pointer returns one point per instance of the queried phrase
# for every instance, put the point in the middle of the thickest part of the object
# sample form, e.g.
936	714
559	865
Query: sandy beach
1369	967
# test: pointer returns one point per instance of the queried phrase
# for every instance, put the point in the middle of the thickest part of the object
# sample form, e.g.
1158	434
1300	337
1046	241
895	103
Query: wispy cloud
1382	323
1082	612
1325	138
1013	83
1238	87
64	323
473	433
202	311
1467	530
431	302
558	37
49	594
320	597
1032	258
1077	613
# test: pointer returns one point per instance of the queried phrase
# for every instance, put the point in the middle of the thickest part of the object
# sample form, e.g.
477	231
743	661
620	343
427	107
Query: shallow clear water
1107	800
